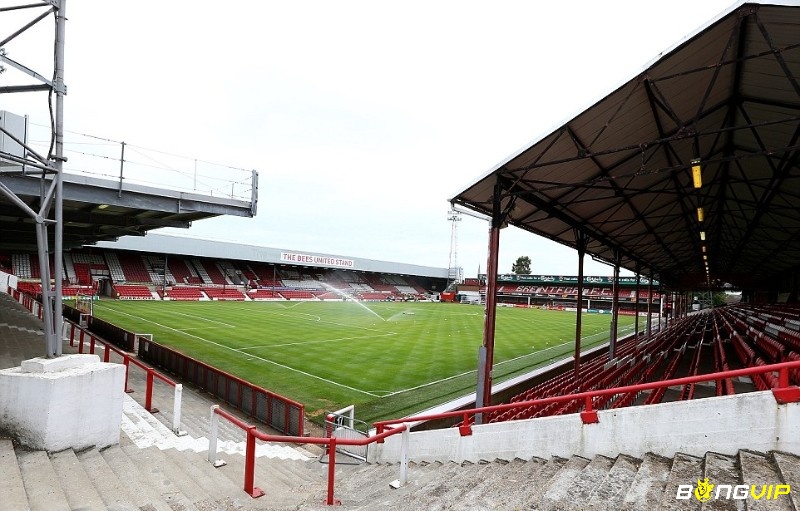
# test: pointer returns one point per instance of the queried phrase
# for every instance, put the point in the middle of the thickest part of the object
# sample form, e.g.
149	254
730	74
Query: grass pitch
389	359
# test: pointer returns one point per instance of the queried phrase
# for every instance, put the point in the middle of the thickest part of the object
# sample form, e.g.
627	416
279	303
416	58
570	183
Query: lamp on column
697	173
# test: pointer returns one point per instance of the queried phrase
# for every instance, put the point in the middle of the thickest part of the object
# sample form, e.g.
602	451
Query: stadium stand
133	268
263	294
184	293
132	292
181	273
223	293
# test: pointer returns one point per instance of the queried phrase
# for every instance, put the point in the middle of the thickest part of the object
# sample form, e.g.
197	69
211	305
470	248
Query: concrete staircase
125	477
599	484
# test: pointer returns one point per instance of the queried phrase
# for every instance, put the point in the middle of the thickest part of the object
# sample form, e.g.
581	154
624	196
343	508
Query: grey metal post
612	350
58	256
47	305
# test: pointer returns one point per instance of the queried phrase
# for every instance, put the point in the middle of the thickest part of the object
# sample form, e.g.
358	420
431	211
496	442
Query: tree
522	266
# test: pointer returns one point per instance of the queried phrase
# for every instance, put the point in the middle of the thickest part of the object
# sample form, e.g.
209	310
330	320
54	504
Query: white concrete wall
74	401
721	424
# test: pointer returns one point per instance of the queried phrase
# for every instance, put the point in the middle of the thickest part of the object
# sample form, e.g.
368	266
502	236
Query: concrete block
77	406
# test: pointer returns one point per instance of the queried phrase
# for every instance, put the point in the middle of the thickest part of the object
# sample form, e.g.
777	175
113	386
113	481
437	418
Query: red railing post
250	464
785	393
80	345
107	353
329	500
783	377
465	429
72	335
92	340
126	361
148	398
589	415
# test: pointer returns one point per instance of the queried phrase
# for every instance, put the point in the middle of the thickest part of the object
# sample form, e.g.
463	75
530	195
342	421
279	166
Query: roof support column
58	163
581	242
612	346
483	395
650	306
636	312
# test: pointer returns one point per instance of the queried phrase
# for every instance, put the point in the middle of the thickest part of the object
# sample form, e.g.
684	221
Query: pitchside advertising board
567	280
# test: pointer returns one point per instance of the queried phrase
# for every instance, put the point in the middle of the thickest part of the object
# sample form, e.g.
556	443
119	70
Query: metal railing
278	412
330	443
74	332
87	341
781	389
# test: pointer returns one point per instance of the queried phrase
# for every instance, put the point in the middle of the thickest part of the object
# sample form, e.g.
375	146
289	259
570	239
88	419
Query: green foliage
719	299
401	359
522	266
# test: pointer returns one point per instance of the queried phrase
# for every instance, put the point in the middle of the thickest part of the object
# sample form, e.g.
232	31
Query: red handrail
332	442
127	360
783	392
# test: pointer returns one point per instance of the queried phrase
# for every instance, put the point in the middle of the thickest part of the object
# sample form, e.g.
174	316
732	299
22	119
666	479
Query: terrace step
685	470
11	486
145	491
558	487
168	481
146	430
757	467
38	477
80	492
113	491
789	468
648	483
611	492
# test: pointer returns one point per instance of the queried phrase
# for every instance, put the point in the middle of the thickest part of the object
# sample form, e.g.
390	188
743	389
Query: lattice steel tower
453	270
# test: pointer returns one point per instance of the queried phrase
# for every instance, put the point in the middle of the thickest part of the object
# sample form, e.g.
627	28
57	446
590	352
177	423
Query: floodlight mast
453	272
49	166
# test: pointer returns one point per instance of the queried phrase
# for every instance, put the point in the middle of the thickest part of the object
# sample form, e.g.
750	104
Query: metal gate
340	424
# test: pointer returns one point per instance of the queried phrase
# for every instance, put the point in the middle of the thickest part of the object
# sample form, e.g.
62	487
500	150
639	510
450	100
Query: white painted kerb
72	401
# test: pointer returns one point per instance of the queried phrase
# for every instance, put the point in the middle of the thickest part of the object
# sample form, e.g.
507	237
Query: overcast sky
362	118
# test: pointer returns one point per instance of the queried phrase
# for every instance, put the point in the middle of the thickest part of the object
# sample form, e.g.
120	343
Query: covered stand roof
620	172
100	209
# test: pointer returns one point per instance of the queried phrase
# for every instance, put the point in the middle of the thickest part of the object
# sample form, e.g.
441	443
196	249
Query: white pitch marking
300	343
235	350
205	319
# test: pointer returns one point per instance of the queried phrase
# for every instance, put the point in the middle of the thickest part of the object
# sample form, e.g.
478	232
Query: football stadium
149	371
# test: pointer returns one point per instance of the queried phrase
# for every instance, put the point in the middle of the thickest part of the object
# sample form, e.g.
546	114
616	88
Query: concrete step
542	481
204	474
648	484
145	490
721	470
557	489
448	493
759	469
523	480
115	493
80	492
587	482
41	482
168	480
685	470
496	482
11	486
611	492
789	468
